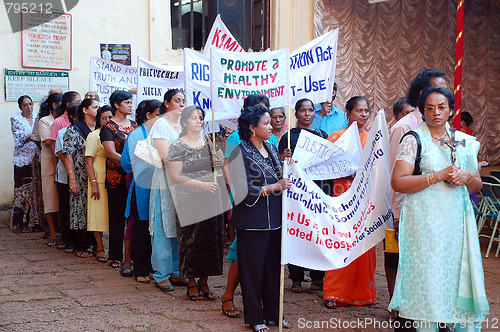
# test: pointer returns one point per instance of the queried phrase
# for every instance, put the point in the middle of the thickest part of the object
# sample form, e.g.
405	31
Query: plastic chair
495	173
490	210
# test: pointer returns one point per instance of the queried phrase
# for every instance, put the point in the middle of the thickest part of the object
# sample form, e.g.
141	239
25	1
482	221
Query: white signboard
46	40
220	37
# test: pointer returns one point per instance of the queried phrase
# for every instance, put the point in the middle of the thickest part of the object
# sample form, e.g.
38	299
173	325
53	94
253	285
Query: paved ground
42	288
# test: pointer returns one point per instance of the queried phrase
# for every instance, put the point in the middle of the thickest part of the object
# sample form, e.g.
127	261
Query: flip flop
102	258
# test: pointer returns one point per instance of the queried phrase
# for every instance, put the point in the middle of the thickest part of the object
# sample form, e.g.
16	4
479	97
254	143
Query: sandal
102	258
330	304
82	254
52	242
297	287
70	250
126	271
143	279
260	328
115	264
286	323
229	312
165	288
206	293
193	297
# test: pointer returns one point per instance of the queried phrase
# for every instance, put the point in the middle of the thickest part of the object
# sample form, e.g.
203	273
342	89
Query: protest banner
107	76
324	233
312	69
234	76
220	37
153	80
321	159
197	82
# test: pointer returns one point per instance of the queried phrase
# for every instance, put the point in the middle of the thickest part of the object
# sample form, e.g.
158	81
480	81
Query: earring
253	133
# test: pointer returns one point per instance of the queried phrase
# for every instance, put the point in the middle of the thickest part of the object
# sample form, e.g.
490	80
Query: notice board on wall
46	40
34	83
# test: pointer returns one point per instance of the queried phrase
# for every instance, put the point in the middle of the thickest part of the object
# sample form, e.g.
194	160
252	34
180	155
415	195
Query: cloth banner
220	37
321	159
325	233
237	75
153	80
312	69
107	76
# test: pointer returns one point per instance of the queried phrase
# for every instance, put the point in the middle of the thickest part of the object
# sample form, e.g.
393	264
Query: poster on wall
46	40
34	83
120	53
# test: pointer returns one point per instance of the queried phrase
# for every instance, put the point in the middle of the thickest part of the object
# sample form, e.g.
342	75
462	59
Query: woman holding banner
304	112
355	283
162	217
200	230
257	175
440	276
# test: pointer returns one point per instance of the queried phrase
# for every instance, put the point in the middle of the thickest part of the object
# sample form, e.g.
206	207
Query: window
248	21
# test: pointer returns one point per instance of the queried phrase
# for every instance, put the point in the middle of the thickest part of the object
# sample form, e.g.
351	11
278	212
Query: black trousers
259	269
117	201
68	236
84	239
141	242
297	273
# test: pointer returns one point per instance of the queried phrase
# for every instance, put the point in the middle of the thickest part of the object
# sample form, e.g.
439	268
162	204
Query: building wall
144	24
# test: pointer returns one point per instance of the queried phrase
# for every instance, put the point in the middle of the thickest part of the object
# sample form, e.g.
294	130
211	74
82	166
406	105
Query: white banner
234	76
312	69
197	82
220	37
107	76
321	159
324	233
153	80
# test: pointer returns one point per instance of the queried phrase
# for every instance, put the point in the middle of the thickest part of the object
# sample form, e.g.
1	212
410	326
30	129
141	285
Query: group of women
175	223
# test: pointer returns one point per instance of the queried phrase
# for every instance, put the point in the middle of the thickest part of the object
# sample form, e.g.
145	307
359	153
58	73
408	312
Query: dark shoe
232	312
126	271
52	242
330	304
164	288
176	279
297	287
101	258
205	291
115	264
193	297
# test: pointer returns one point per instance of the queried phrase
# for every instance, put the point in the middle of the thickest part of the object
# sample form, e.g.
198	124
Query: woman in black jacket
257	174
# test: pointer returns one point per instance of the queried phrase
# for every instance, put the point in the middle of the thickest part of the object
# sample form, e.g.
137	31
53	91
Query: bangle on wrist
70	172
471	178
263	192
427	179
93	181
72	181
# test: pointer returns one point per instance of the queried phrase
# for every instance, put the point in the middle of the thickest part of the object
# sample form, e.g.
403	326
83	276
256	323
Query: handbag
145	151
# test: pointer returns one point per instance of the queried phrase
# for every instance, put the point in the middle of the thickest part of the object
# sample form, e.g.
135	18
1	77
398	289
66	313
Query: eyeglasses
280	117
441	108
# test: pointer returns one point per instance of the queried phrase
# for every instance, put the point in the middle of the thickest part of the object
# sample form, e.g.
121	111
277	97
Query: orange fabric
355	283
341	185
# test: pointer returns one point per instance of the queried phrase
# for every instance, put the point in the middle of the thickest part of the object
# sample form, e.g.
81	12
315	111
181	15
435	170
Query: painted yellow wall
292	23
145	24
